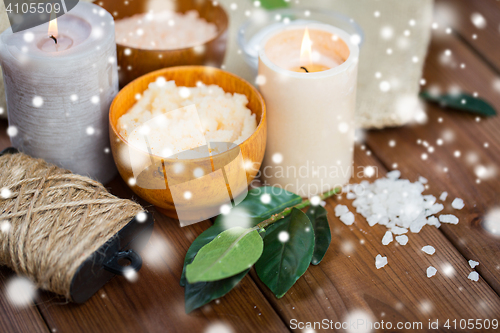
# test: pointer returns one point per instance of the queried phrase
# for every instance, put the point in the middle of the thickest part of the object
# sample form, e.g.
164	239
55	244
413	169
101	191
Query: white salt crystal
387	238
436	208
350	196
373	219
429	249
340	210
458	203
399	230
402	240
431	271
347	218
448	218
473	276
394	174
432	220
429	200
418	224
422	180
473	263
443	196
380	261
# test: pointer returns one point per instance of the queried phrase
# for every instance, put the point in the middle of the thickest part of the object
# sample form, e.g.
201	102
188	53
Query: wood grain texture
140	61
155	302
457	14
17	319
347	279
154	188
460	132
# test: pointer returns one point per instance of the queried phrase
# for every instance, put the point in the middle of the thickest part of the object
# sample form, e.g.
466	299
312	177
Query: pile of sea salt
397	204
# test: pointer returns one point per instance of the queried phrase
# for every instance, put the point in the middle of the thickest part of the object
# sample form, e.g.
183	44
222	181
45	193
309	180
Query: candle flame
53	31
306	50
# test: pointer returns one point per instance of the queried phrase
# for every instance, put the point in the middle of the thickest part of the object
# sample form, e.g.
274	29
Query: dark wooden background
347	279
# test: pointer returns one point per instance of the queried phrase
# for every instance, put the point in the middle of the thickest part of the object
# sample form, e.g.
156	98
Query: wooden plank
347	279
465	135
12	318
457	15
17	319
155	303
4	139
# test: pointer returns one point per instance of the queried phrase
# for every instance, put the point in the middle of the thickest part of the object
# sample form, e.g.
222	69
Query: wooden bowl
134	62
208	196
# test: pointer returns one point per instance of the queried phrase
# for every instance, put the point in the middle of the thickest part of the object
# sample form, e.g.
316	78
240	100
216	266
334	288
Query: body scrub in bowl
155	34
163	114
166	30
189	139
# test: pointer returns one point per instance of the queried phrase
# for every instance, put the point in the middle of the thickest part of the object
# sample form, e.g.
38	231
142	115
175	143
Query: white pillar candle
58	95
310	138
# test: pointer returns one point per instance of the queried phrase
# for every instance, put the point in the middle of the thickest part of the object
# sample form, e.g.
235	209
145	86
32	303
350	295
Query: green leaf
247	214
283	263
230	253
322	234
273	4
203	239
253	210
201	293
462	102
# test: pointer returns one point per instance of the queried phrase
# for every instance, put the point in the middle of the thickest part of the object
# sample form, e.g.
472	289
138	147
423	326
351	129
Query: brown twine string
57	220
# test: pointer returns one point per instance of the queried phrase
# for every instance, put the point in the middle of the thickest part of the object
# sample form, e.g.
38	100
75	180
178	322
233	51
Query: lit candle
308	80
60	79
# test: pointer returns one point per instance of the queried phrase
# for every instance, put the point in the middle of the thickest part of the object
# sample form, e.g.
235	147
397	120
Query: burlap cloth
402	69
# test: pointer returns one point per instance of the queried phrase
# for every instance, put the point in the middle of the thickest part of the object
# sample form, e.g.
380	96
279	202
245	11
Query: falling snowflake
265	198
277	158
141	217
37	101
283	236
5	193
131	274
225	209
20	291
5	226
478	20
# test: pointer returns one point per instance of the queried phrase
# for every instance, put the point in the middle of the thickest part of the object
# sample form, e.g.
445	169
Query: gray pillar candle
58	95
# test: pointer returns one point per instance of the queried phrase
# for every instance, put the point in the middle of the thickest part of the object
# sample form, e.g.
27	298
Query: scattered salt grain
402	240
473	276
458	203
350	196
394	174
432	220
430	250
443	196
380	261
448	218
431	271
399	230
347	218
387	238
423	180
473	263
340	210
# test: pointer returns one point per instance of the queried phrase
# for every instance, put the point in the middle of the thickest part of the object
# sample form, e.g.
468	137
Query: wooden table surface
347	279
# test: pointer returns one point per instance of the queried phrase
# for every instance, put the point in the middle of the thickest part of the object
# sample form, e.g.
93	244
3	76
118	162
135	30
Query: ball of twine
52	220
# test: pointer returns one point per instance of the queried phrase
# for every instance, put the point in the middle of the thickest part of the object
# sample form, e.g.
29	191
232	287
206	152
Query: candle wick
53	38
304	69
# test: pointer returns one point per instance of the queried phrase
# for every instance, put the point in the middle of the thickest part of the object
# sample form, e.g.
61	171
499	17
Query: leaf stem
276	217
